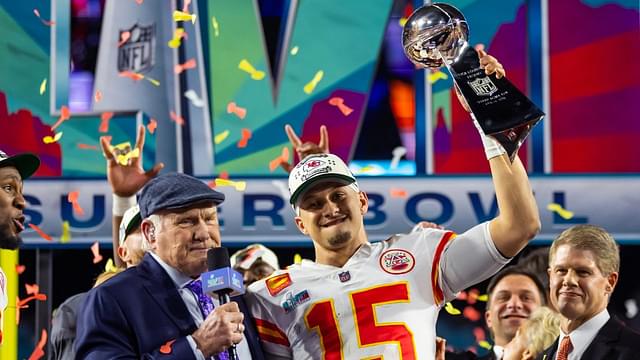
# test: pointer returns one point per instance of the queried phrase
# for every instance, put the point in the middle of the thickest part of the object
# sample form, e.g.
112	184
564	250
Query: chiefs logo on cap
397	261
312	164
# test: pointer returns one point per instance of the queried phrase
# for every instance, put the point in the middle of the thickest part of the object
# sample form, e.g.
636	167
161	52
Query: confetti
153	81
95	250
66	232
123	153
240	112
294	50
485	344
184	16
166	347
152	125
283	158
139	2
221	137
479	334
224	175
178	119
124	37
52	139
38	296
65	114
43	86
451	310
73	199
104	121
397	153
402	21
216	27
32	289
297	259
194	98
131	75
483	298
565	214
46	22
314	82
473	296
471	313
238	185
398	193
20	269
189	64
339	102
98	96
110	266
87	146
38	352
438	75
175	42
244	65
185	6
246	135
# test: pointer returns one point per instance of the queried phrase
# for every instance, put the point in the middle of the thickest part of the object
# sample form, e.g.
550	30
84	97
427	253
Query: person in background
534	335
255	262
537	263
584	265
13	171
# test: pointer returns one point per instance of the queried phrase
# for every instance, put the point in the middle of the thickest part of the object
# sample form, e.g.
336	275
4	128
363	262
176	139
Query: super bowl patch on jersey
397	261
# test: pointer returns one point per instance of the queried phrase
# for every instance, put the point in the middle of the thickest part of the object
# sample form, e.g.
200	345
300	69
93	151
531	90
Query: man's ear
612	280
487	318
364	202
300	225
149	232
122	253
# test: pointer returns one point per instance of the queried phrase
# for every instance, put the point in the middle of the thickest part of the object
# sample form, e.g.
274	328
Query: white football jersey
3	299
383	302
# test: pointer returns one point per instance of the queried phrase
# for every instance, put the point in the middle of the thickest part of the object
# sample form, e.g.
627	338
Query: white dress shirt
191	301
582	337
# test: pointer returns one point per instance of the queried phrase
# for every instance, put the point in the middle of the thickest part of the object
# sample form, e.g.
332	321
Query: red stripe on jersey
438	295
270	332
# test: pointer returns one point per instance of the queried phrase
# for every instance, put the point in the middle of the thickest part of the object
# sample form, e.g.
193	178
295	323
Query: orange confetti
32	289
46	22
471	313
398	193
65	114
124	37
38	296
178	119
152	125
339	102
40	232
87	146
479	333
104	123
38	352
131	75
166	347
240	112
185	6
224	175
189	64
73	199
246	135
473	296
95	250
98	96
20	269
283	158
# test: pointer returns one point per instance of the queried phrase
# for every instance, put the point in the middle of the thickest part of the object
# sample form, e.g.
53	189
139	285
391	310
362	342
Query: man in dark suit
584	262
157	308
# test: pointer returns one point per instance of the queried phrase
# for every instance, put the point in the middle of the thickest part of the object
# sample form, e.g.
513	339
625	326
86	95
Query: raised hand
308	148
221	329
127	180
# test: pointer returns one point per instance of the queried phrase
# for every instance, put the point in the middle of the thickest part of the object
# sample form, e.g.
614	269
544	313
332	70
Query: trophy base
502	110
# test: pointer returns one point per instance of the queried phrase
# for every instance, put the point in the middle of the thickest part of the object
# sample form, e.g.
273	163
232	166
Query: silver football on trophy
436	26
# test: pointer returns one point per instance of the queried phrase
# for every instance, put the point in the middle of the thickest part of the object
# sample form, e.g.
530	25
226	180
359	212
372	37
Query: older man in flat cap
158	309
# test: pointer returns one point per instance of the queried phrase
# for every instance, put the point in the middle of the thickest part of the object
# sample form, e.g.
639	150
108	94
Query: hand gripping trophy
437	35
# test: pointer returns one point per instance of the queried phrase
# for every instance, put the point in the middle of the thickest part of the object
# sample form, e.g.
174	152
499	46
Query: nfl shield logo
483	86
344	276
137	53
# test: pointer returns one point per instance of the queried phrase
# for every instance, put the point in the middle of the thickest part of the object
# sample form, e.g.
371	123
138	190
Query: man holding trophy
363	300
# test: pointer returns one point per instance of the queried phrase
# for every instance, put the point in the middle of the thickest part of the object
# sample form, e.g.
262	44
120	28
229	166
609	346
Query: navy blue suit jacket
133	314
614	341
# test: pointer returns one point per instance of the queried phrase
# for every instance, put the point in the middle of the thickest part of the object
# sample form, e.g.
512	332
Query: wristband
492	148
122	204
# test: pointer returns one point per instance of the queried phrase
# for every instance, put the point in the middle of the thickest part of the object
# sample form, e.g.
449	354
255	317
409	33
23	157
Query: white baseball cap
316	168
248	256
130	221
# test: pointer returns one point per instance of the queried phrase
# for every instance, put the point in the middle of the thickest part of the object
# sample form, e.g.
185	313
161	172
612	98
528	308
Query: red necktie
565	348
